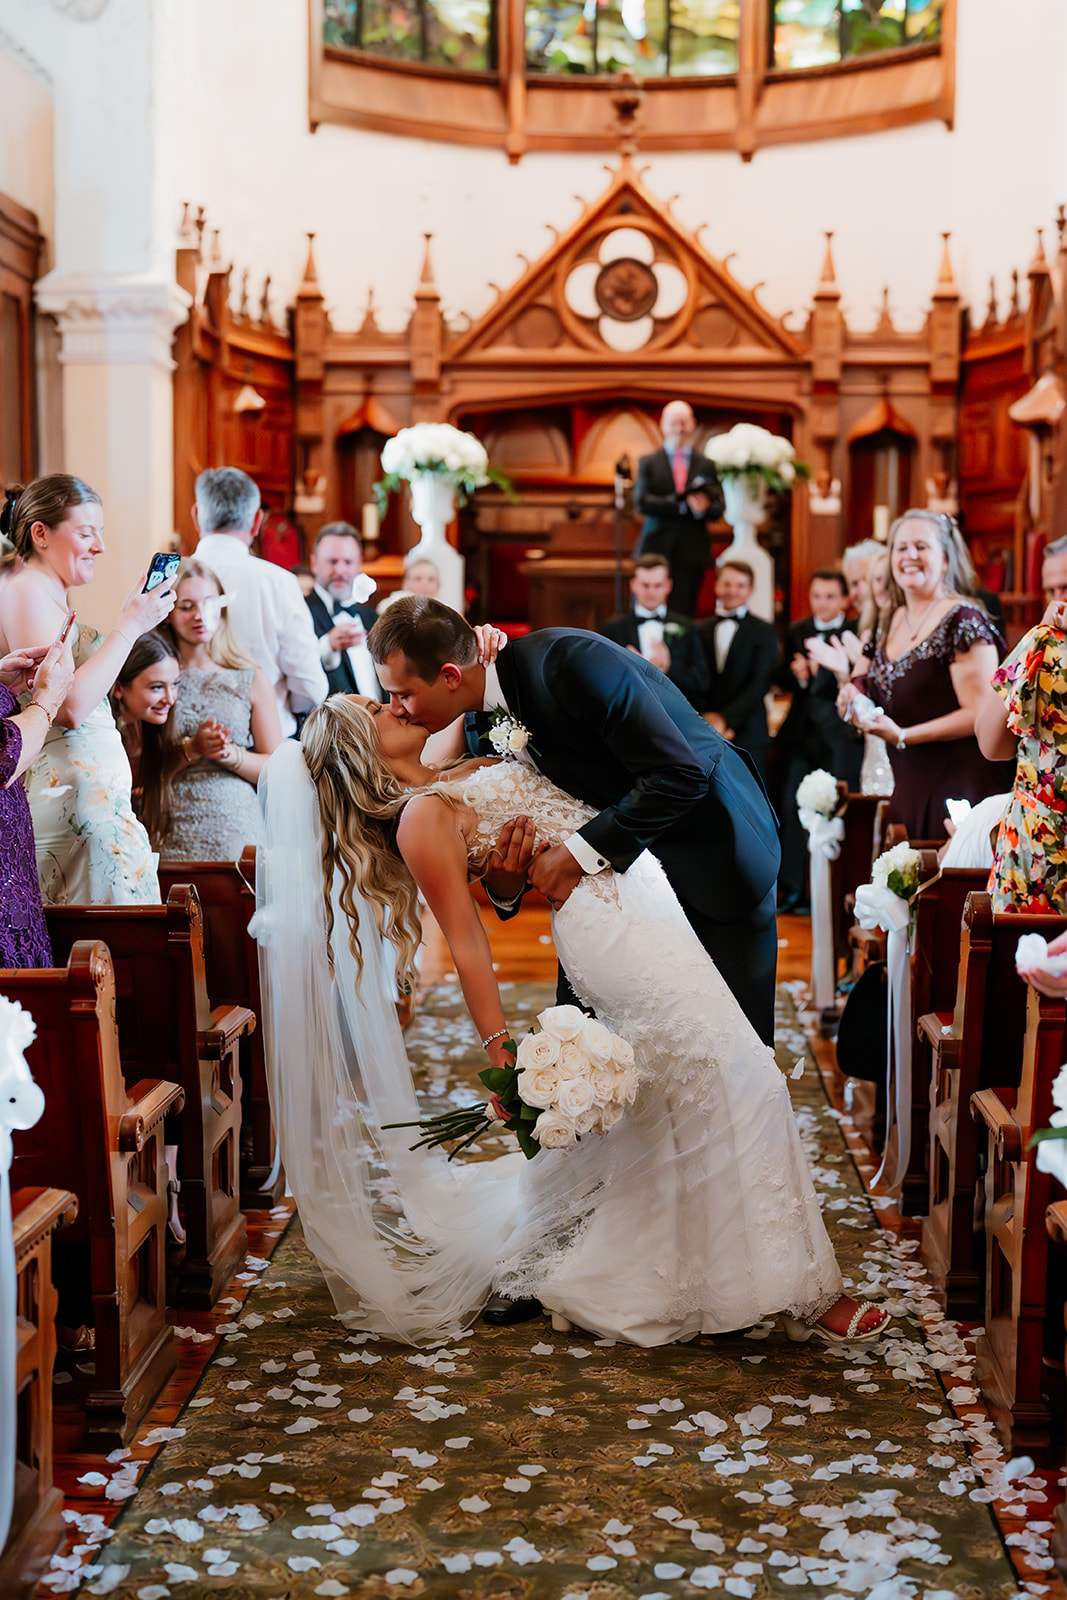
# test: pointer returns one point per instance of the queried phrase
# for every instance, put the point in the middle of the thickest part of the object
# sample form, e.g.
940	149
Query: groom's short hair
426	632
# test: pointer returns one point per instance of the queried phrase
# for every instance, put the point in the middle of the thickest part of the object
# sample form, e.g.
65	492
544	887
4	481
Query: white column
118	414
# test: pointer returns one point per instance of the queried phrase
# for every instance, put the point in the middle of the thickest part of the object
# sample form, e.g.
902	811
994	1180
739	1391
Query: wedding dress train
696	1213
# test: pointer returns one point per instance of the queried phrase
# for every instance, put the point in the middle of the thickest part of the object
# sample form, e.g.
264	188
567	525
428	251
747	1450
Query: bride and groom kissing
657	851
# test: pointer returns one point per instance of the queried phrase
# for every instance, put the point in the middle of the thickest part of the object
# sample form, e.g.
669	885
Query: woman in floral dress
1030	857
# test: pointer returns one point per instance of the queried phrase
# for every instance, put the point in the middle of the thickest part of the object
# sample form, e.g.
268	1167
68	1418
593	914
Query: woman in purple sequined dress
927	670
23	935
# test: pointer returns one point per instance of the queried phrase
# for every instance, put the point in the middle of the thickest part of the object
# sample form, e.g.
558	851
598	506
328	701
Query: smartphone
162	569
65	630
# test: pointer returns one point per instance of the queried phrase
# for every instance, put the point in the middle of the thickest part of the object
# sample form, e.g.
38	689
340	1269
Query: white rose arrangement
573	1078
437	447
897	870
506	734
817	792
755	452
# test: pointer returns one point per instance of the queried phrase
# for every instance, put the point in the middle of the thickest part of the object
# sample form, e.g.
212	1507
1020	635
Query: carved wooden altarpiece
566	372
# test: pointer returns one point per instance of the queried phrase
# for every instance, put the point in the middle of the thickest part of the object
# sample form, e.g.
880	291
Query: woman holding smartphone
91	849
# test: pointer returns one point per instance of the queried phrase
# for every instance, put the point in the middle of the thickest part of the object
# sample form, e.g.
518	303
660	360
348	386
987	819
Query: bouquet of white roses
897	870
817	792
436	447
751	451
571	1079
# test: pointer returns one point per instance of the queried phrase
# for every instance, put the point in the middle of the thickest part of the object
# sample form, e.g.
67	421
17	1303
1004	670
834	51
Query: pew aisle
746	1465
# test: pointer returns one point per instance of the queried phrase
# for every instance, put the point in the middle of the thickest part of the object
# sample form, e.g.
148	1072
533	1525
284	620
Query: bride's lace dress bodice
508	789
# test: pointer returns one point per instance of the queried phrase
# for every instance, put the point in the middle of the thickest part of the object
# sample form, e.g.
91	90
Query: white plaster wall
26	136
244	151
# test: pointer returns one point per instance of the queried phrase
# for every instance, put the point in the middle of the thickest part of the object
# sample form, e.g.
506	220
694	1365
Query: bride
696	1214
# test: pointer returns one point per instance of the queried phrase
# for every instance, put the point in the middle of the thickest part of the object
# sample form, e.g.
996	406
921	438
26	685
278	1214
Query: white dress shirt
649	628
359	657
271	621
583	852
725	629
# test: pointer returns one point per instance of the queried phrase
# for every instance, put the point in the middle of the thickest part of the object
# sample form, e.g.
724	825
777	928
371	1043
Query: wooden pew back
104	1142
168	1029
227	894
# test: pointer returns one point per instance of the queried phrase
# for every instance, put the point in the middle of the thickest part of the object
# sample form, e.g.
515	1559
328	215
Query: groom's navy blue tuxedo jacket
609	728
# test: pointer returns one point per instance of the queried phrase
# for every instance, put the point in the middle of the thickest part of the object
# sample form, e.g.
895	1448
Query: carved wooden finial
1015	305
828	276
991	312
628	101
215	259
885	316
264	303
426	276
369	325
1039	263
310	288
945	278
242	309
1061	225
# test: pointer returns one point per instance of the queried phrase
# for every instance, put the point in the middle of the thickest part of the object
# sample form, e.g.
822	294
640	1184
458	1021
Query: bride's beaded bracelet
501	1033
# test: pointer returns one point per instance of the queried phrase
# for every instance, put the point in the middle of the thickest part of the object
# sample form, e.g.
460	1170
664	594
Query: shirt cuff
583	852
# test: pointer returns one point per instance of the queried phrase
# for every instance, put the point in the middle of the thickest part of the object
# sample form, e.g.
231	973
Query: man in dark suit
341	623
742	654
678	493
666	638
812	735
610	729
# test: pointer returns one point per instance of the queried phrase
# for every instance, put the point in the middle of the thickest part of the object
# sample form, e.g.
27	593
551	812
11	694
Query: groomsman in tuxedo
666	638
742	655
812	735
678	494
341	623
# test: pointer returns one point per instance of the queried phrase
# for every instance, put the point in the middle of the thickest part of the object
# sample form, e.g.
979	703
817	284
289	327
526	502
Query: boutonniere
673	630
506	733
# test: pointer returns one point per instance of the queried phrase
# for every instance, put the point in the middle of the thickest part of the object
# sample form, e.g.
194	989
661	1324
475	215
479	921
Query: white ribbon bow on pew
21	1105
824	845
881	908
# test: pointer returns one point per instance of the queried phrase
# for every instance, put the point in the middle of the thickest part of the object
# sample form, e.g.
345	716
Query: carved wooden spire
991	313
946	282
310	289
427	288
828	287
427	332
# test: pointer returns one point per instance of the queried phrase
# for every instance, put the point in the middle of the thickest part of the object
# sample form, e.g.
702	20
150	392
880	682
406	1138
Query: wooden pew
1010	1368
105	1143
1056	1228
978	1046
863	819
227	893
37	1529
934	971
168	1029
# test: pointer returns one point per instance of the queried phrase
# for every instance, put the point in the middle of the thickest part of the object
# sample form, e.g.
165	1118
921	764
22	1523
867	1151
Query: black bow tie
731	616
644	615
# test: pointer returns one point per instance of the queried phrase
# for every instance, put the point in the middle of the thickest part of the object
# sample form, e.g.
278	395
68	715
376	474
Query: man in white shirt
337	615
266	608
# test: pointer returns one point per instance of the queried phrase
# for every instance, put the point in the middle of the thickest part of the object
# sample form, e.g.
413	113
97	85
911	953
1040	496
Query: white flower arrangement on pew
573	1078
817	792
897	870
753	452
439	448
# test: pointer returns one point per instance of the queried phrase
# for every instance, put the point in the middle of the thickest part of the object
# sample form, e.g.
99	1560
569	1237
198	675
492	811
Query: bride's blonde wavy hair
360	802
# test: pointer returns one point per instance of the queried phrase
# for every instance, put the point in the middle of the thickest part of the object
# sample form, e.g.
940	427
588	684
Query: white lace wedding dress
694	1214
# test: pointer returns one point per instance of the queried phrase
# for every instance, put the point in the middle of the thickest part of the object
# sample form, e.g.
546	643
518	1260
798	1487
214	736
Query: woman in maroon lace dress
50	673
931	662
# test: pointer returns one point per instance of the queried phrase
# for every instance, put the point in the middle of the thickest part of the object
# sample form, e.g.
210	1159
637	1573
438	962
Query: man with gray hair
265	605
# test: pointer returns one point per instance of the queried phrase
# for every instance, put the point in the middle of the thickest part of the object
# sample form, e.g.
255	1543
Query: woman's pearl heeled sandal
801	1332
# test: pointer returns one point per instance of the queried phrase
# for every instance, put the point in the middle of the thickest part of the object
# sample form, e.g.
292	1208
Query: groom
610	729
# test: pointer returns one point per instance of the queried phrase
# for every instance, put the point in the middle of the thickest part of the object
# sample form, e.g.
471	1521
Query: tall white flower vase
433	505
746	498
21	1105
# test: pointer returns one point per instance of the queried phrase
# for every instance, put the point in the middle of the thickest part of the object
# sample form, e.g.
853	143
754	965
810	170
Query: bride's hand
510	858
490	643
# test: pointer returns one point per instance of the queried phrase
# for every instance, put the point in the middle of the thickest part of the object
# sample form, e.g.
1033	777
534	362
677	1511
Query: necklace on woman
913	633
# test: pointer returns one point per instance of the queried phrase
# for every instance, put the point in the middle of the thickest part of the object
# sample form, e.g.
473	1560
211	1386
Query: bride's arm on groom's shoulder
430	839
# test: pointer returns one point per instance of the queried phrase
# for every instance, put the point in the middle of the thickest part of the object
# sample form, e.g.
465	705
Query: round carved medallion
626	289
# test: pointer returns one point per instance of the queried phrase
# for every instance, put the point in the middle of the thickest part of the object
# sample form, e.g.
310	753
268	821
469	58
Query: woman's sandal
801	1332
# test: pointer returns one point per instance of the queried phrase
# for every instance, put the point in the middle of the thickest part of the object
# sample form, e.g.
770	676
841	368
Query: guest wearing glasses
926	670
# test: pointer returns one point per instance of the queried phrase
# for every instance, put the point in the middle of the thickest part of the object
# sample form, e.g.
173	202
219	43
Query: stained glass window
442	33
653	38
816	33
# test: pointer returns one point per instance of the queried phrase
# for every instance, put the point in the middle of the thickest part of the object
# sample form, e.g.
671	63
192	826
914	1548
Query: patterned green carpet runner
520	1462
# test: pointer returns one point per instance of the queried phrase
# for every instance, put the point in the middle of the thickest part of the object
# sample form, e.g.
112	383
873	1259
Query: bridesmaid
91	849
226	719
23	934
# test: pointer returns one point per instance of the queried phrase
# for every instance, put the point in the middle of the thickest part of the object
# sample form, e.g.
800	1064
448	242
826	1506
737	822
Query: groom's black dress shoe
502	1313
